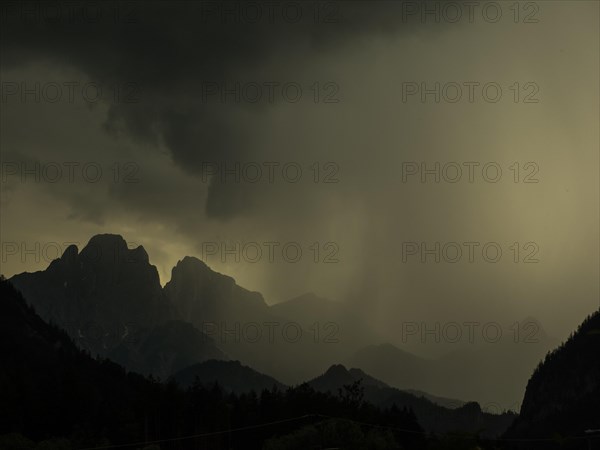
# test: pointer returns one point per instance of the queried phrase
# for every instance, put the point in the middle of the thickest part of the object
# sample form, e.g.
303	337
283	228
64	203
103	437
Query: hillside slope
563	394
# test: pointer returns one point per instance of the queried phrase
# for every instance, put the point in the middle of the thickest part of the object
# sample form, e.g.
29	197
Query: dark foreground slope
563	395
51	388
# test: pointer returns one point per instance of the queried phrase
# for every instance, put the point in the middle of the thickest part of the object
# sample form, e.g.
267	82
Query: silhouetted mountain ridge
98	293
109	299
231	375
467	417
51	389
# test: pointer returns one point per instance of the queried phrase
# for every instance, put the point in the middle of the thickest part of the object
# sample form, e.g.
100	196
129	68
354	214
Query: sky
421	162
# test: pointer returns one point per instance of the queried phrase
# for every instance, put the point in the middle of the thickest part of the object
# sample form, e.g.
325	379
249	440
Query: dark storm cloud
168	131
165	57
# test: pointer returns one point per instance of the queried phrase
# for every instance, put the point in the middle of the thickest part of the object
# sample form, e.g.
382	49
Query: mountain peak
104	247
336	369
70	253
192	261
338	376
202	295
112	285
192	268
110	248
107	239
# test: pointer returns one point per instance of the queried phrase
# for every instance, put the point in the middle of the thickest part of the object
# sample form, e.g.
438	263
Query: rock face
203	296
99	294
240	322
165	349
563	394
110	301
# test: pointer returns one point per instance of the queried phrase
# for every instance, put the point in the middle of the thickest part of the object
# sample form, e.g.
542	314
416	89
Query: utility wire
295	419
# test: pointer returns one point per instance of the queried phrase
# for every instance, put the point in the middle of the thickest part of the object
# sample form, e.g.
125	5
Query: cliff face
105	292
563	394
204	296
